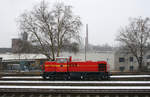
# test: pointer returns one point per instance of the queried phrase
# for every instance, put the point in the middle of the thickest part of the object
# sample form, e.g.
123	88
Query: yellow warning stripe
70	65
55	65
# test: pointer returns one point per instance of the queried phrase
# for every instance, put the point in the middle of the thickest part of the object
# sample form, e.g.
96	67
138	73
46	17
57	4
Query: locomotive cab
57	69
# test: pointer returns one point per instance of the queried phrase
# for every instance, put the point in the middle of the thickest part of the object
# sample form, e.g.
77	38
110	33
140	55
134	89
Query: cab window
61	60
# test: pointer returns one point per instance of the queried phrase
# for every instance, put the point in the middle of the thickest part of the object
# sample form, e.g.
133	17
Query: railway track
70	92
76	83
71	95
34	86
112	78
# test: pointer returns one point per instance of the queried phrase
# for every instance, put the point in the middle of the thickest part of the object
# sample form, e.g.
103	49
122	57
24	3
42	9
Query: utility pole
86	41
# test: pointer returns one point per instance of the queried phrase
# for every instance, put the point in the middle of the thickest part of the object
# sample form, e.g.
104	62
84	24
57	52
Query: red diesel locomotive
65	69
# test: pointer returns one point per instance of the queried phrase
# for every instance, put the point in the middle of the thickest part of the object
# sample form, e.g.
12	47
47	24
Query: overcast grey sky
104	17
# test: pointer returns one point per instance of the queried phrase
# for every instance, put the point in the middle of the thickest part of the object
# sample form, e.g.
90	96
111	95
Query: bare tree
104	47
136	38
50	28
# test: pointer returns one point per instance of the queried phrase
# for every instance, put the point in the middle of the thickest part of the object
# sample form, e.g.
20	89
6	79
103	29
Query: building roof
10	56
5	50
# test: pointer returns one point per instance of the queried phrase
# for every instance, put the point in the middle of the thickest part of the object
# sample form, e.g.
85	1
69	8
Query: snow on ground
40	77
82	82
21	77
78	87
129	76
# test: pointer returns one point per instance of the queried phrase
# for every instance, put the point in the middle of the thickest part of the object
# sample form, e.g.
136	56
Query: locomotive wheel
68	78
51	78
44	77
85	78
104	77
107	78
99	78
65	78
82	77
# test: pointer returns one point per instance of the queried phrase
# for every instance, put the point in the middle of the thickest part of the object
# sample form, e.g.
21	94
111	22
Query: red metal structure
64	68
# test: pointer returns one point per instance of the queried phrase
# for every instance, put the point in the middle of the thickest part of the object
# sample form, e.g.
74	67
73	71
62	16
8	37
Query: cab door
61	65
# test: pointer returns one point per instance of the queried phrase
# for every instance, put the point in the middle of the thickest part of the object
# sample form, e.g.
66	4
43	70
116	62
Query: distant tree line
24	46
104	47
